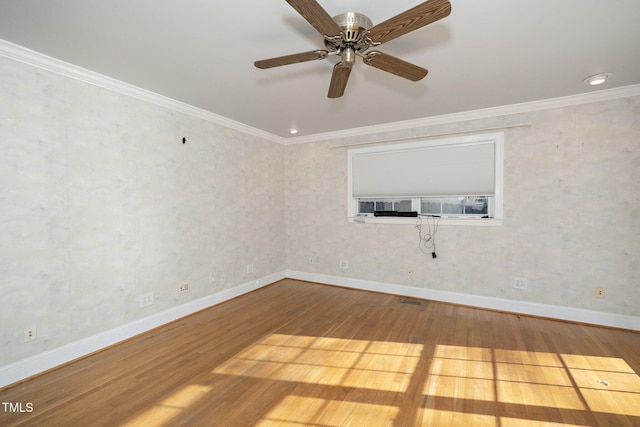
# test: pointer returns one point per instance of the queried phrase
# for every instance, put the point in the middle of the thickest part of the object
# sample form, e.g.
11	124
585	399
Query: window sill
476	222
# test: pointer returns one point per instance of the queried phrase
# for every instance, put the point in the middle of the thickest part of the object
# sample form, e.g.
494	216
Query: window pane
368	206
476	205
403	205
453	206
365	206
447	206
384	205
430	206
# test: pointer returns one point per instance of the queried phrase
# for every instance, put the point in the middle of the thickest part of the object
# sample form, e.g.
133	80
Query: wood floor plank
300	354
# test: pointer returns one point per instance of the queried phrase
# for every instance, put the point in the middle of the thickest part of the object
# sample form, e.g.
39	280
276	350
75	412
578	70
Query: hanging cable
427	243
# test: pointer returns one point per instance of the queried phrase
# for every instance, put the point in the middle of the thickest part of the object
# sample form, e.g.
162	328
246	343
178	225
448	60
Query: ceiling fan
351	34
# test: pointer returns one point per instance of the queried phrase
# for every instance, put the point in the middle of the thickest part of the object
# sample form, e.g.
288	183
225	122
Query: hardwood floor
303	354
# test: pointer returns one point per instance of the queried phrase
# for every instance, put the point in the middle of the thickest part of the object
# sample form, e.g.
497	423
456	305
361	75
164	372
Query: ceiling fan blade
291	59
316	16
410	20
339	80
394	65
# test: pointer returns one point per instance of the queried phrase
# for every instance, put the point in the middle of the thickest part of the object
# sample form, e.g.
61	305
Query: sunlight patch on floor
327	361
519	422
460	379
309	411
440	417
465	385
463	377
607	384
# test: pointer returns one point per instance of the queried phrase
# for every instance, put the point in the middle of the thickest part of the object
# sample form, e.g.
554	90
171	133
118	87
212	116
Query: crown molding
525	107
21	54
36	59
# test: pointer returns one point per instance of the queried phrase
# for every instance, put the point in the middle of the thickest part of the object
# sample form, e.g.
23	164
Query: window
455	206
455	178
369	206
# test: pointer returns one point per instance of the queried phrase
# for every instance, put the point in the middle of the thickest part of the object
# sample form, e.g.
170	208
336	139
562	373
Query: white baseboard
36	364
593	317
25	368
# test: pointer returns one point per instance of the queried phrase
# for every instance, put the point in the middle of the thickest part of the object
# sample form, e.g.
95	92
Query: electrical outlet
30	334
344	264
146	299
411	272
249	268
183	288
600	292
520	283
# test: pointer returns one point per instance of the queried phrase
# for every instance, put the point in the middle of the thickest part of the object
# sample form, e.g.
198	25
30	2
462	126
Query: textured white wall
100	201
572	218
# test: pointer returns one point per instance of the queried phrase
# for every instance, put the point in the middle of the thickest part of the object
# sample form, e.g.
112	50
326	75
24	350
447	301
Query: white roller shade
463	169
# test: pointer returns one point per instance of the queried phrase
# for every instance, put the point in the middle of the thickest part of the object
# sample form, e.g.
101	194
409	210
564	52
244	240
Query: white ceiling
487	53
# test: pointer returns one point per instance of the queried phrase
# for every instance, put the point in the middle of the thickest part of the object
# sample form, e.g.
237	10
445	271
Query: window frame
497	200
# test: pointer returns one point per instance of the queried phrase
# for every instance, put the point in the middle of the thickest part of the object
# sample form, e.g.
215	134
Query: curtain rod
519	125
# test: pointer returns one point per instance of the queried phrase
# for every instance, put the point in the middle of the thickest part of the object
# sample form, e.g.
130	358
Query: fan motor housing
353	25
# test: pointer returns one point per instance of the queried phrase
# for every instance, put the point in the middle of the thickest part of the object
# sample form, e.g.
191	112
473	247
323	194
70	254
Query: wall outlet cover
520	283
146	299
30	334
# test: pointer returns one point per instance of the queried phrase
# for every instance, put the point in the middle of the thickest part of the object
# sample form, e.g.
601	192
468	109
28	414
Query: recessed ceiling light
293	131
597	79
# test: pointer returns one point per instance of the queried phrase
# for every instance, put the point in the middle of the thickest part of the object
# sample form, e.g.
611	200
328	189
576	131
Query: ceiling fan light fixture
597	79
348	57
